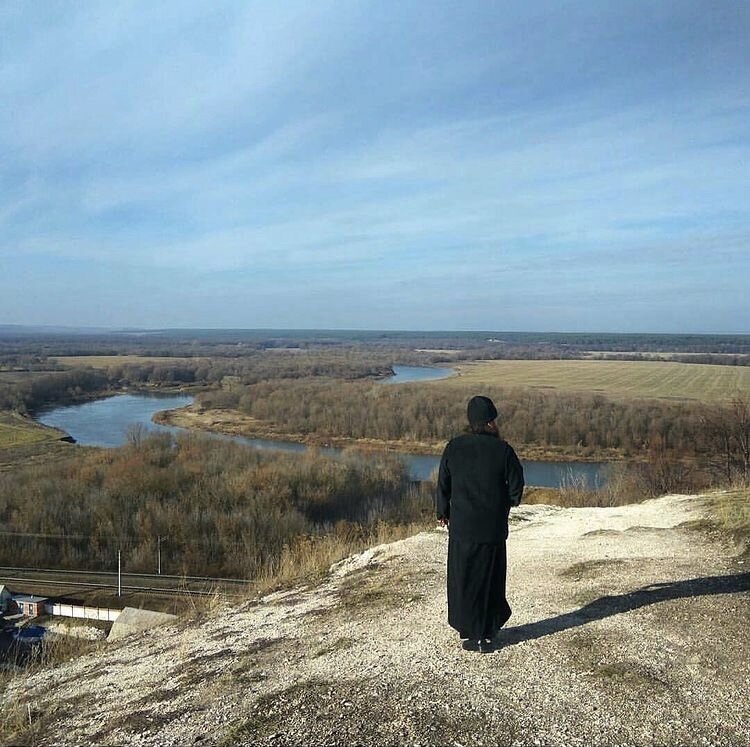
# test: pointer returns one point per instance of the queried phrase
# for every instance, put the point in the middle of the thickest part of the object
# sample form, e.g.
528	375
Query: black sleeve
514	472
443	497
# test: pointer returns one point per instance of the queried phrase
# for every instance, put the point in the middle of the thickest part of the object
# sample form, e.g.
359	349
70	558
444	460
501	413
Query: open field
654	354
616	379
107	361
13	377
18	431
24	442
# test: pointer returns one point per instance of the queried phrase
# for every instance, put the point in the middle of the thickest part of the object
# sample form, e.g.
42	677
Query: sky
432	165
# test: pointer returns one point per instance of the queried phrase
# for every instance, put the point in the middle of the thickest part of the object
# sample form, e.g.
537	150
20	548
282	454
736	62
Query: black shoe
470	645
485	646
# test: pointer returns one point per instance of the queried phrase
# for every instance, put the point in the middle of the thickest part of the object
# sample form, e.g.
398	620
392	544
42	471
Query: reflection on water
538	474
405	374
106	422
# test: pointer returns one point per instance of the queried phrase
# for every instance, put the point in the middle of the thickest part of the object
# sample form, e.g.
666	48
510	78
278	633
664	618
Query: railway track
141	589
64	571
104	580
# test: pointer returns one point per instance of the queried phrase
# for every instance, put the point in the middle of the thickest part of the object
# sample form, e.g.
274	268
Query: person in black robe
480	478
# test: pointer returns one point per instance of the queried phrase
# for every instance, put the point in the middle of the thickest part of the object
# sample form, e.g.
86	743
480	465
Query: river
106	422
407	374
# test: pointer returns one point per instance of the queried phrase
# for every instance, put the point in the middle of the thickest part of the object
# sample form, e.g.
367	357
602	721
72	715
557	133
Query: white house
5	598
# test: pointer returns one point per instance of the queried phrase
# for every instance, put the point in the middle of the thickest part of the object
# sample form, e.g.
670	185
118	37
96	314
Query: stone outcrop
132	620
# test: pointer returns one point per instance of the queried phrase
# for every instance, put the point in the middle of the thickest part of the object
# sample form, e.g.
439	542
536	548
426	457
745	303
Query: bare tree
728	428
740	420
135	433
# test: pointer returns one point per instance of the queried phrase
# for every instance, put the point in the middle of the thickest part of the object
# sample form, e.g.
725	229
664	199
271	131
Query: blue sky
376	165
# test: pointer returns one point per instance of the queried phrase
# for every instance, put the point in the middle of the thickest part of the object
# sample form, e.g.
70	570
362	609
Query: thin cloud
347	143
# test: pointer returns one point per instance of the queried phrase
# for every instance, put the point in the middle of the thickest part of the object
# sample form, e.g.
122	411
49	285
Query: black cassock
480	479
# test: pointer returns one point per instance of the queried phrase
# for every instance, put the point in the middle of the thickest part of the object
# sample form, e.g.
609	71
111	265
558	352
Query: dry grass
311	557
615	379
204	606
376	592
731	513
15	716
620	490
306	560
572	497
13	376
26	443
23	721
339	644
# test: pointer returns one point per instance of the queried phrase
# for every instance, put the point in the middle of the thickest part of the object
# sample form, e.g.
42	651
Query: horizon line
67	328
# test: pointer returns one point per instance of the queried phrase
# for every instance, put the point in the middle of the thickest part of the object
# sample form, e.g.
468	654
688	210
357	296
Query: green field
18	431
616	379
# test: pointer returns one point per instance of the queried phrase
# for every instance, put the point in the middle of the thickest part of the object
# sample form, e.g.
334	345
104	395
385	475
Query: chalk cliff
629	626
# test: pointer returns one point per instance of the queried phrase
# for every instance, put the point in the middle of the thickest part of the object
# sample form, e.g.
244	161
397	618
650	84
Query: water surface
106	422
405	374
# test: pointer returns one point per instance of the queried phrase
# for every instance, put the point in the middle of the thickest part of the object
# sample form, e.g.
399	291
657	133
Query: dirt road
628	628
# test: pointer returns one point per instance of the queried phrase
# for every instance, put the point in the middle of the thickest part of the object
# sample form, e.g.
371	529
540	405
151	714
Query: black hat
481	411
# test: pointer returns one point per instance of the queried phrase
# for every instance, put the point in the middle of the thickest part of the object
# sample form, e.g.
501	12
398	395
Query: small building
6	599
30	605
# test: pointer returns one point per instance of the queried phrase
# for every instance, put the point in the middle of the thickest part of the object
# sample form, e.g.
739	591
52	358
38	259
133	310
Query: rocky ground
630	627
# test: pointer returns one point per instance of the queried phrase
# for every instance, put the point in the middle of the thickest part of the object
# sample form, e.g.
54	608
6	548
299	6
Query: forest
581	422
31	389
399	346
220	509
31	377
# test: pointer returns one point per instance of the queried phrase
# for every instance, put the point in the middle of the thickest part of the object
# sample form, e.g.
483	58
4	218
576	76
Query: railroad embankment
629	627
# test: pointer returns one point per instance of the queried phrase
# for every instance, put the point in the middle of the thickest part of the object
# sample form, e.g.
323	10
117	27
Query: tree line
716	437
418	413
712	359
400	346
37	390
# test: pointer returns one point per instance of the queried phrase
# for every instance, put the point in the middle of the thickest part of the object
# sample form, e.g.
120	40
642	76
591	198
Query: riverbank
235	423
21	430
24	441
149	390
115	421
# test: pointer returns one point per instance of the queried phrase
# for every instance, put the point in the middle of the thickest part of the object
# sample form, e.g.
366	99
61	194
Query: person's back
483	472
480	478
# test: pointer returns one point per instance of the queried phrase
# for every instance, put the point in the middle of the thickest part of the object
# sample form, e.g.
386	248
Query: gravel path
628	629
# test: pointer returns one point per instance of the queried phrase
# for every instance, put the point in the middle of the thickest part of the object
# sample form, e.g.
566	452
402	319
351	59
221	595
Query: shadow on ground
621	603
